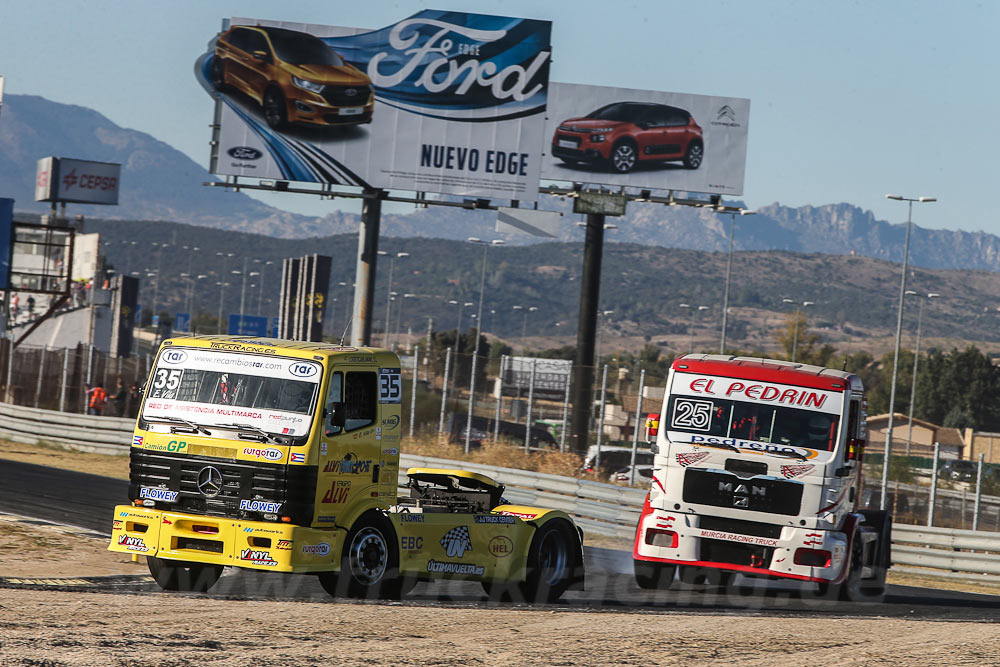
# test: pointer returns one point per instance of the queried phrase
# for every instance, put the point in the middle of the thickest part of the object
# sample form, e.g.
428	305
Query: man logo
726	113
245	153
741	501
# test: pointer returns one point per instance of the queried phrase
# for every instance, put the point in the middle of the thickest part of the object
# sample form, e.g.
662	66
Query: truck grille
721	551
720	489
292	486
739	526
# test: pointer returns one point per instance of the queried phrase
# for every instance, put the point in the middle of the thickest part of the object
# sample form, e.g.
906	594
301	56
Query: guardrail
604	509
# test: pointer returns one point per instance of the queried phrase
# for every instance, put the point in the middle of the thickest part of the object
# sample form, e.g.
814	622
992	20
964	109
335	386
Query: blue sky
849	100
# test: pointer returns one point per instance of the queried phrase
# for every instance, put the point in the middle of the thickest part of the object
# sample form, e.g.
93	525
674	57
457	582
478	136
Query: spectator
96	398
31	306
15	305
120	397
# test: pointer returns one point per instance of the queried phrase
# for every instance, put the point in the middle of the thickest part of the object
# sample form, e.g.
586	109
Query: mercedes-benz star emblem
209	481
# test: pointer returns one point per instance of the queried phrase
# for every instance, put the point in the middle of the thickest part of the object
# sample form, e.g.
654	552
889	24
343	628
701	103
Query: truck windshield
209	387
753	421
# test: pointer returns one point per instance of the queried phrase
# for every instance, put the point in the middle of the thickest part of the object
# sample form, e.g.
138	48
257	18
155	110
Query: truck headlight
305	84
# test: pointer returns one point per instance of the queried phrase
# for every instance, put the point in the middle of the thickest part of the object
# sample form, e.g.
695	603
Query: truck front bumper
805	554
274	547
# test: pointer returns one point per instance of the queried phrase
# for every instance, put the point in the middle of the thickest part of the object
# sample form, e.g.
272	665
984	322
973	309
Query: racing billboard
442	101
61	179
646	139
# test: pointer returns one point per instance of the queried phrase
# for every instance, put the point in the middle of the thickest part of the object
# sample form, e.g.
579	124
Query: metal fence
604	509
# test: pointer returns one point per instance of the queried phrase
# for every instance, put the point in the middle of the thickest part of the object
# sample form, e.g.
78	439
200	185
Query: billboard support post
583	367
364	274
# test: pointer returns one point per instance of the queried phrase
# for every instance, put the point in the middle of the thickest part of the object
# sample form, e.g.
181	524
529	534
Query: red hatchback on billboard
620	135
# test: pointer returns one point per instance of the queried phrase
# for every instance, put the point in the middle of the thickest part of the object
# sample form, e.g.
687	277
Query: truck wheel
369	567
856	589
551	559
178	575
654	575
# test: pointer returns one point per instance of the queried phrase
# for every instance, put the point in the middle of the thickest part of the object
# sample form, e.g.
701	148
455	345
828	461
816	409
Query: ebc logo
303	370
174	356
245	153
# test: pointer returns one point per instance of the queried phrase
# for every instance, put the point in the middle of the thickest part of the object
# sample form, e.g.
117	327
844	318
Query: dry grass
15	538
501	454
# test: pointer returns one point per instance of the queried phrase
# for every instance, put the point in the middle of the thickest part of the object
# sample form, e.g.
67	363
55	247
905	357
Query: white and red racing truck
757	471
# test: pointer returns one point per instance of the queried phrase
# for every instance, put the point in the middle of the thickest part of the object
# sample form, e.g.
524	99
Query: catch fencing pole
496	422
934	481
979	494
413	395
41	374
531	400
444	389
600	420
565	425
635	434
65	379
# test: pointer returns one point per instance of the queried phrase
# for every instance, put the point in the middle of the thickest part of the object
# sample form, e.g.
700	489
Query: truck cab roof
768	370
290	348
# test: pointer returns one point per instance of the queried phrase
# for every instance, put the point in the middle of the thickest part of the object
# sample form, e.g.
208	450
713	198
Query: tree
796	336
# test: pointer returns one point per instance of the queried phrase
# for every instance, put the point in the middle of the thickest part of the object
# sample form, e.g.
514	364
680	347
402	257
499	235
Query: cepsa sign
79	181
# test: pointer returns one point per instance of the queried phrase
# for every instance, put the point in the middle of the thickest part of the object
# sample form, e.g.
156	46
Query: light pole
899	333
597	354
399	317
475	346
795	326
458	335
388	298
222	291
159	259
916	356
260	296
729	275
695	310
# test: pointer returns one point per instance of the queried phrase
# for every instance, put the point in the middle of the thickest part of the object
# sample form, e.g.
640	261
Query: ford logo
303	370
351	92
245	153
174	357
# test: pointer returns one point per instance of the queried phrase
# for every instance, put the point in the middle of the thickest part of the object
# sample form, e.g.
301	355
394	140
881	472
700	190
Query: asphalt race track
84	500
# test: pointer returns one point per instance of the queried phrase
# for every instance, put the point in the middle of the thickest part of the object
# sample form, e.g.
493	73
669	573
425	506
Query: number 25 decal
692	415
390	383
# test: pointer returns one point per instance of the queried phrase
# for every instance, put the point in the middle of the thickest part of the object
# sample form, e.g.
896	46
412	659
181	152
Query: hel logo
790	471
257	557
336	494
501	546
690	459
132	543
456	542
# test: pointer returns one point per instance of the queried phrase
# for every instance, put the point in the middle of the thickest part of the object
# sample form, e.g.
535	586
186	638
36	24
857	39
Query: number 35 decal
390	383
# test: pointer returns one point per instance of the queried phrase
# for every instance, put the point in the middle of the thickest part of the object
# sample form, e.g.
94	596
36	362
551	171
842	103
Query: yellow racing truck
283	456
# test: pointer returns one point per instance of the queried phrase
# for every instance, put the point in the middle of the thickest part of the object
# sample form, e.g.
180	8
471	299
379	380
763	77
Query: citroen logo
209	481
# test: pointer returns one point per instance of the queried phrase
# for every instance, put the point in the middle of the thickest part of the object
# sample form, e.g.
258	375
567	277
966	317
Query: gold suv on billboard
294	76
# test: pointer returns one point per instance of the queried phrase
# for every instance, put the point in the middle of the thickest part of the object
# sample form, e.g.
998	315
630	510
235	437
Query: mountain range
162	183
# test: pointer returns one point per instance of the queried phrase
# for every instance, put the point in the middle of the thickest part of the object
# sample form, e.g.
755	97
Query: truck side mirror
337	418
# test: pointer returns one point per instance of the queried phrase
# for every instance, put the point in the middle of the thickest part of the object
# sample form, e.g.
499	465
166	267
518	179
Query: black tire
654	576
552	558
218	74
872	589
275	111
501	591
179	575
369	566
624	157
694	155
